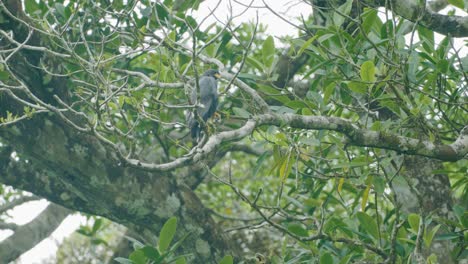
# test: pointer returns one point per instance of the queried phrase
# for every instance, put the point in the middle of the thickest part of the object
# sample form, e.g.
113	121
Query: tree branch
16	202
456	26
29	235
356	137
10	226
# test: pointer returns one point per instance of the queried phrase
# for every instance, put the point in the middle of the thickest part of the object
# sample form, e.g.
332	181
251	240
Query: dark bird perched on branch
208	84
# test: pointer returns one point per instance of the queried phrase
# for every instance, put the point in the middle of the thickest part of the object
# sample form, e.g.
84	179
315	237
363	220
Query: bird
208	85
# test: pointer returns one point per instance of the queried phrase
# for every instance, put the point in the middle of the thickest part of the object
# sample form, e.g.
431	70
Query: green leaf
177	244
268	51
136	244
123	260
171	36
368	223
227	260
307	111
325	37
432	259
368	71
464	219
329	90
346	259
138	257
340	184
31	6
342	11
286	166
326	259
97	241
458	3
357	87
260	161
443	66
413	220
4	75
427	37
181	260
273	93
254	63
97	224
413	63
379	185
448	236
371	20
60	9
211	50
306	45
428	236
298	230
151	252
241	112
167	234
365	196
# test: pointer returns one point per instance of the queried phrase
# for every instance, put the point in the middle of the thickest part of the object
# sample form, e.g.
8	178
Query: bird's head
212	73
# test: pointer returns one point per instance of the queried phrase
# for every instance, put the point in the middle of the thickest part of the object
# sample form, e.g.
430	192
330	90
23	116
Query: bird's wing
209	107
208	96
208	86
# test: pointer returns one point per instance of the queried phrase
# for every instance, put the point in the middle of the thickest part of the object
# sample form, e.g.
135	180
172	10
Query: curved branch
29	235
356	137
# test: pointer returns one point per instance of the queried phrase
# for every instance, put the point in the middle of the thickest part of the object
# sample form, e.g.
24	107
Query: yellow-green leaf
340	185
413	220
254	63
167	234
307	44
298	230
432	259
368	71
357	87
458	3
268	51
329	90
428	236
227	260
137	257
286	167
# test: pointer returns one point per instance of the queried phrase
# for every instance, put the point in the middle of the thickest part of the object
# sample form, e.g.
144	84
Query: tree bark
75	170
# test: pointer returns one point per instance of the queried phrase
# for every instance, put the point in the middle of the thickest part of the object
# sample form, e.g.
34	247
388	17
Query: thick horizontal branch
377	139
456	26
355	136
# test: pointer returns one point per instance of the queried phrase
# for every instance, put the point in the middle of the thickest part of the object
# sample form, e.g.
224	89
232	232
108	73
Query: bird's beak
217	75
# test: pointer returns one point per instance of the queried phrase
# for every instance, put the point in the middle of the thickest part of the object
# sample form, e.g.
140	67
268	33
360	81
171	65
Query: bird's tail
195	131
